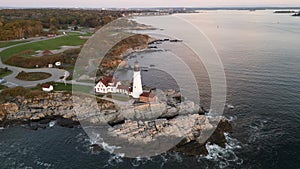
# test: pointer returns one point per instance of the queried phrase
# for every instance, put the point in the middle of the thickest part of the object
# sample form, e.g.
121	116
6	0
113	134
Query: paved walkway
12	81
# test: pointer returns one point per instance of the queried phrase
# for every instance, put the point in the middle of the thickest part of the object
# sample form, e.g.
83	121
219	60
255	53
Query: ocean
261	57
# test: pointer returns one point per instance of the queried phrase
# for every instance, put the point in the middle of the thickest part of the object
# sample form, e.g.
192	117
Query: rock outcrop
95	110
142	123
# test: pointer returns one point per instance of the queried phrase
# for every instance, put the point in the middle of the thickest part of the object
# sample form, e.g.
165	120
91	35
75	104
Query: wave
223	157
52	124
96	139
218	157
229	106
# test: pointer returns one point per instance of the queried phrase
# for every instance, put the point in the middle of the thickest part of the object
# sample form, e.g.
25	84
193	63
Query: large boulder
2	114
144	111
8	110
189	129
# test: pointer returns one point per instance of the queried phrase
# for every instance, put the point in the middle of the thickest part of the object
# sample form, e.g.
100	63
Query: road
12	81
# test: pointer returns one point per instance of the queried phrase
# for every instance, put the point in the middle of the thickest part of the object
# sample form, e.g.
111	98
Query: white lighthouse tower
137	88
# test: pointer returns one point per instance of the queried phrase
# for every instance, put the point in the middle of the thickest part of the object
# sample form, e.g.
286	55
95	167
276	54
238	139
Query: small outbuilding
148	97
57	64
47	87
47	52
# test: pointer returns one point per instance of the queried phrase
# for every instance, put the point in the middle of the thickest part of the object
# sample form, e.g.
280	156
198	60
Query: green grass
4	73
10	43
69	87
120	97
79	34
87	34
33	76
73	33
51	44
69	68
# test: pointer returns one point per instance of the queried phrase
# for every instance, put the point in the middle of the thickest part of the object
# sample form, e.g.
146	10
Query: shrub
11	93
33	76
35	93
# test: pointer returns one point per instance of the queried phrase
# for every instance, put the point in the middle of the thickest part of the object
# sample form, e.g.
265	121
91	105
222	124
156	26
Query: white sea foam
230	106
109	148
139	161
42	164
231	118
175	156
52	124
223	156
116	159
96	139
256	130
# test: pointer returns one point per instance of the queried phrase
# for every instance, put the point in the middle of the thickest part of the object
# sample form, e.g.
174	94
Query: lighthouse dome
136	66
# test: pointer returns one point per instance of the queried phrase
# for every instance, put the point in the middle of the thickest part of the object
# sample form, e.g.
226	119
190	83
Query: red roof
123	87
147	94
46	85
47	52
108	79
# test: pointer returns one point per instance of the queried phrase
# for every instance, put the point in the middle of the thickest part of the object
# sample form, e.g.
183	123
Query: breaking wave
223	157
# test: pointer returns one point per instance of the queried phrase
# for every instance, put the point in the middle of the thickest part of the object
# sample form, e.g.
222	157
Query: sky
146	3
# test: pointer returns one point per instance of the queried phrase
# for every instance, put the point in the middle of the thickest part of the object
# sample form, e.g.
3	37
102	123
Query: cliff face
142	124
90	108
7	109
115	55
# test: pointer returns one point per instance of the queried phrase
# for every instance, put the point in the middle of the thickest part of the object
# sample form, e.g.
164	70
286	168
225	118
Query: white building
137	88
110	84
47	87
107	85
57	64
123	89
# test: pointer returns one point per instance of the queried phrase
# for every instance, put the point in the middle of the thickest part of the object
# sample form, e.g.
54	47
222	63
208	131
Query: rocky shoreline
178	118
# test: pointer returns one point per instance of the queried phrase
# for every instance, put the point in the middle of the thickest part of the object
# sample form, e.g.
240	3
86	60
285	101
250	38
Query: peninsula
34	96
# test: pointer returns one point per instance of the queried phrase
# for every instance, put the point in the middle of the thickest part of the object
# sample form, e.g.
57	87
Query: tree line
23	23
20	29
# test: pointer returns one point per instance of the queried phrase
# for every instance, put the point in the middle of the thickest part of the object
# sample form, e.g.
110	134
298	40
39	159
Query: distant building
51	35
47	87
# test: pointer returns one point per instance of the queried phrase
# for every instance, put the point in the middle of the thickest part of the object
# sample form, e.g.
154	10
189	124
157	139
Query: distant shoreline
129	9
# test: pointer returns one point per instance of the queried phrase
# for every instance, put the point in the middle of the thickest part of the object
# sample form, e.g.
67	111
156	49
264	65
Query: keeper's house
109	84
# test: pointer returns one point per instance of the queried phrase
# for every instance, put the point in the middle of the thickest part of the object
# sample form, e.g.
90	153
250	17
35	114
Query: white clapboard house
109	84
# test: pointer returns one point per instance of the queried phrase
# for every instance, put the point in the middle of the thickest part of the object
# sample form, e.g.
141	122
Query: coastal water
261	56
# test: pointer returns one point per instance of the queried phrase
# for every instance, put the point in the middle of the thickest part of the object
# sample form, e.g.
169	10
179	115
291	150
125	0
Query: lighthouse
137	88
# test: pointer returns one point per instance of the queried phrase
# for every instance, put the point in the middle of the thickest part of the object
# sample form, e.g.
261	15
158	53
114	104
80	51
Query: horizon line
170	7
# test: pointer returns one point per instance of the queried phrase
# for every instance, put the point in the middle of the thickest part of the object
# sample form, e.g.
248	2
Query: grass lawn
33	76
51	44
10	43
69	87
69	68
120	97
4	73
